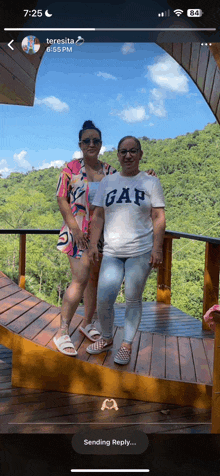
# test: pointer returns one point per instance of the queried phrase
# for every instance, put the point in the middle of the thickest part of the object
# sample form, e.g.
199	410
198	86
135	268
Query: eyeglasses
87	141
124	152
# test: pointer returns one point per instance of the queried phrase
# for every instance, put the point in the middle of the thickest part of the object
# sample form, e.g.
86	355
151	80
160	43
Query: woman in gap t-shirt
130	205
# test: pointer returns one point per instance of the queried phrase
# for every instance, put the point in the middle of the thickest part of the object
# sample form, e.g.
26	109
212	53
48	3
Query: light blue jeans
113	270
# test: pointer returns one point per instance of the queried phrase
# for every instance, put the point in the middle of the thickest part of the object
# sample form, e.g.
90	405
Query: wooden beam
216	378
164	273
211	279
18	73
22	259
34	366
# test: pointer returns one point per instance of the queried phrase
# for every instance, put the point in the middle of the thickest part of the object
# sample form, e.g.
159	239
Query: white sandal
64	342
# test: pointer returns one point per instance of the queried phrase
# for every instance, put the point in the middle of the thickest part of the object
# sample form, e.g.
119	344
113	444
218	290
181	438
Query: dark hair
130	137
88	125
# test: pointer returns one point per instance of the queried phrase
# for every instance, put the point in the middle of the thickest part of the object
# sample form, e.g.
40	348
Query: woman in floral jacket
76	188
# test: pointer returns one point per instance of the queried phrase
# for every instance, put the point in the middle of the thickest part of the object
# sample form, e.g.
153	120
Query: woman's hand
151	172
80	238
93	253
156	258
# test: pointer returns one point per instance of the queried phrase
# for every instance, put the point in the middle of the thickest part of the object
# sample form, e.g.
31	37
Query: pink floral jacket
73	184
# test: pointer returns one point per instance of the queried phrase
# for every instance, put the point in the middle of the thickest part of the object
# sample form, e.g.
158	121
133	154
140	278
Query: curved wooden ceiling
202	64
18	74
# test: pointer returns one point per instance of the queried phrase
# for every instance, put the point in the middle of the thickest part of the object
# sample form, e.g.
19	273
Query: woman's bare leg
90	293
80	274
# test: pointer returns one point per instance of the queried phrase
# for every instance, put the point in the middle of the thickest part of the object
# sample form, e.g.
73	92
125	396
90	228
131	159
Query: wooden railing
211	267
216	377
210	291
211	270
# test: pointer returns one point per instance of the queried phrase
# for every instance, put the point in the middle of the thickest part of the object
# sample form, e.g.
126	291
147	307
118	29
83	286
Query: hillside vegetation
189	169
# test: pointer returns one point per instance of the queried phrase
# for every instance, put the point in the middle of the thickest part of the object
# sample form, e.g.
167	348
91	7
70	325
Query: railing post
216	377
164	273
22	259
211	278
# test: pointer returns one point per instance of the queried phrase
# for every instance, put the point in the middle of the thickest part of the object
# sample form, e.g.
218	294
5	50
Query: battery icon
194	12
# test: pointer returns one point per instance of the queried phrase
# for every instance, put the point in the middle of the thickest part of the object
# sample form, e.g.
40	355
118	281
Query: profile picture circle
30	45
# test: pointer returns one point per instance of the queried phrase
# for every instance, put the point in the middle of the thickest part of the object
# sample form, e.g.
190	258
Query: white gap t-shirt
127	203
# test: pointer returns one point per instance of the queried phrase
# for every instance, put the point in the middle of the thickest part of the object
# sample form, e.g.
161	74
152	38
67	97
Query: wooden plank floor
186	356
34	411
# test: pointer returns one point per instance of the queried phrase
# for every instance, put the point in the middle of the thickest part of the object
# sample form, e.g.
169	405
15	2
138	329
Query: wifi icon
178	12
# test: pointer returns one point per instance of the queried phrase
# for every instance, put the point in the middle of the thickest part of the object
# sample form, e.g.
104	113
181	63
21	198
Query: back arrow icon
9	44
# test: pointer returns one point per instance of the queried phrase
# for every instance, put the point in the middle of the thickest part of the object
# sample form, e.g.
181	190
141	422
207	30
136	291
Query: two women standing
130	206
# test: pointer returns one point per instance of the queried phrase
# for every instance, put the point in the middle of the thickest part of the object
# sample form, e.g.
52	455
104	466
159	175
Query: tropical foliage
189	169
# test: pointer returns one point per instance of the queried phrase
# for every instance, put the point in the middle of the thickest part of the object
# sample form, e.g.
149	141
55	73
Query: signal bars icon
164	14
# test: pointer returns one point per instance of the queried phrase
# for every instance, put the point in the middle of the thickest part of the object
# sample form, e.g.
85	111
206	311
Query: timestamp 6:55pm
59	49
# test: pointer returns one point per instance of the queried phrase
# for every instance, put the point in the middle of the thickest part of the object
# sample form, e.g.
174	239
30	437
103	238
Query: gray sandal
90	331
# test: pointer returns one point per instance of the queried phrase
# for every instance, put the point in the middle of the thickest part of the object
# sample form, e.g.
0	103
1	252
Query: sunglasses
123	152
87	141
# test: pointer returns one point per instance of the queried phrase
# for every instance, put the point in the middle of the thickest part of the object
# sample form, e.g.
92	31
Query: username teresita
66	40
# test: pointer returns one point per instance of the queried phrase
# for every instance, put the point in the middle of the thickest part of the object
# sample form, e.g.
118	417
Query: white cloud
106	76
53	163
156	94
156	105
157	109
4	170
167	74
151	124
53	103
103	149
77	154
20	159
128	48
132	114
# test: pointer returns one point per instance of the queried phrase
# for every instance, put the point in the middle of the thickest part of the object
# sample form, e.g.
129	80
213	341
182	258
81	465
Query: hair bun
88	125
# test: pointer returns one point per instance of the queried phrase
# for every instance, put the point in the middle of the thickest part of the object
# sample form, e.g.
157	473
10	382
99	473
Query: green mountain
189	169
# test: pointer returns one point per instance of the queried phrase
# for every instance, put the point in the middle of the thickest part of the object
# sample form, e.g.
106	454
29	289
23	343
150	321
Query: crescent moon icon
48	14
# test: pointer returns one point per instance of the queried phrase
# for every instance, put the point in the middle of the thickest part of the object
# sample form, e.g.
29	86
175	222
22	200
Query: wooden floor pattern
162	319
156	354
164	368
34	411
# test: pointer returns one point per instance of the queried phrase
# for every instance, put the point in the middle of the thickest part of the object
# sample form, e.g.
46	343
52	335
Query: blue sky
129	88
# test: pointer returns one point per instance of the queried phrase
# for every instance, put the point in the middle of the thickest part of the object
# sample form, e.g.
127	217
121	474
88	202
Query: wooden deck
170	364
34	411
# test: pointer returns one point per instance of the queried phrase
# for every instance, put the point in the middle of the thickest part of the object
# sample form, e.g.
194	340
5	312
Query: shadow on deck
172	358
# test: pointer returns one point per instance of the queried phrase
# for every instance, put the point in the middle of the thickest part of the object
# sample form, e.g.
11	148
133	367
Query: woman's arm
97	224
79	237
159	225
